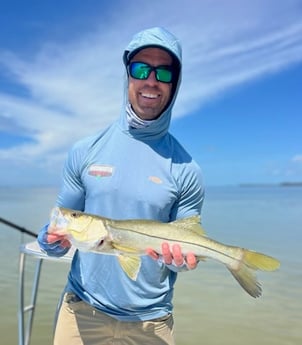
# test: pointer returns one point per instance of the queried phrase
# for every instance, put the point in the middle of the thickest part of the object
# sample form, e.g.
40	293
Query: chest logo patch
99	170
155	179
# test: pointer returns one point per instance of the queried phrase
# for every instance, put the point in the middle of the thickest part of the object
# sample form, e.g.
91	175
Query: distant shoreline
281	184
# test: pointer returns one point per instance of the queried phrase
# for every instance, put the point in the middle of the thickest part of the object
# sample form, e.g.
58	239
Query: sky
239	108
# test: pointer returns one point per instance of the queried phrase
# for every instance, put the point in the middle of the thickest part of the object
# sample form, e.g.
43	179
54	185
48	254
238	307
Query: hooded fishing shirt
131	170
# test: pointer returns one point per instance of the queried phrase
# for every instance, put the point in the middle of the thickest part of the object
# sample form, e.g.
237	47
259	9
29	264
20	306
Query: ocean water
210	307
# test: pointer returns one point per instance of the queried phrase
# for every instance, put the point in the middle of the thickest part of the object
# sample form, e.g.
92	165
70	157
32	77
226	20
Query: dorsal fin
190	223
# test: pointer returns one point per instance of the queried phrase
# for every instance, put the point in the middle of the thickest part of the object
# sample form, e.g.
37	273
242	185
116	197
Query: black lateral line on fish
180	241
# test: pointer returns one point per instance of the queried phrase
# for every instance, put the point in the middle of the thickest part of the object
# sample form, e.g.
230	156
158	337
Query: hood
161	38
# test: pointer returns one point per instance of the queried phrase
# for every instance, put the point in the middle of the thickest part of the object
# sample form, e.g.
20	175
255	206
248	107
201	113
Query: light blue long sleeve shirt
128	173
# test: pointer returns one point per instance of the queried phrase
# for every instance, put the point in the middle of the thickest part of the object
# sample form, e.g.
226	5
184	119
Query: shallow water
210	306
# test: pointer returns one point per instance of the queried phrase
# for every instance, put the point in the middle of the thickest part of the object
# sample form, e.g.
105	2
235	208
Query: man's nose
152	78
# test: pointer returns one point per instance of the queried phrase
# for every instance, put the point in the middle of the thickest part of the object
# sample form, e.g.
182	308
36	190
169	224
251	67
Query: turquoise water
210	306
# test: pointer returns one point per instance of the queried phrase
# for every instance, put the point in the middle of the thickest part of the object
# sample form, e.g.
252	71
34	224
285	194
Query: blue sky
239	110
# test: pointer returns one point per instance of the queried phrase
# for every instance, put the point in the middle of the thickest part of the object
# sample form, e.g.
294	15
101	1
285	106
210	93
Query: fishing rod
20	228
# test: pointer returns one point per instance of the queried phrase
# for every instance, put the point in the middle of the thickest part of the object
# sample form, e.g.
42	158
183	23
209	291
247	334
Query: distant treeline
281	184
290	184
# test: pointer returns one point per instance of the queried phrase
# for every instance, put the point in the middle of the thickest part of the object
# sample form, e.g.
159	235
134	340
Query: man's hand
174	256
53	235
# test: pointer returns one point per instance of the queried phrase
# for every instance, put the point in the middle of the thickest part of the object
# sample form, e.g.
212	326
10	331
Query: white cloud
75	88
297	158
289	169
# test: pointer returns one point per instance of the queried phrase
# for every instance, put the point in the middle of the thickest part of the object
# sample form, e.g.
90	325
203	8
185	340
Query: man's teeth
149	95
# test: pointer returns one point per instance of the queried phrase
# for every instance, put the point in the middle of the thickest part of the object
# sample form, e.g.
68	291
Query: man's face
149	97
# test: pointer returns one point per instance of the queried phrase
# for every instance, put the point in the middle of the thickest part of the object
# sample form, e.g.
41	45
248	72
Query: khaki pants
80	324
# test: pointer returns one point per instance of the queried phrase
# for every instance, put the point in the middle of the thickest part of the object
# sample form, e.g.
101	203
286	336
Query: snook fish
129	239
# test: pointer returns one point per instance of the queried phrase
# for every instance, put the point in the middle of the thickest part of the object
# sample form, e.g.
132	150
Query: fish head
85	231
75	220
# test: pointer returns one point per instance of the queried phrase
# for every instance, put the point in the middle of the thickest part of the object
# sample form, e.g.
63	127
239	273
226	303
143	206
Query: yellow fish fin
123	249
259	261
190	224
247	279
245	273
130	265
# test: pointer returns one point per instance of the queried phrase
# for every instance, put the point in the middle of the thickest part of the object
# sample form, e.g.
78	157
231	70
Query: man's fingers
51	238
177	255
152	253
174	256
191	261
166	252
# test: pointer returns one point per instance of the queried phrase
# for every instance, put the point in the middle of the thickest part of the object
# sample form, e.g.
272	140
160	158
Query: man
133	169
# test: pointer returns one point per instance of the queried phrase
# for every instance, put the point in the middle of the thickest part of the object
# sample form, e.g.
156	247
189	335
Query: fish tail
245	275
259	261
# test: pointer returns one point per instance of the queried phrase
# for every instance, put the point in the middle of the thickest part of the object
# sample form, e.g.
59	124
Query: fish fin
123	249
247	279
130	265
259	261
245	275
190	223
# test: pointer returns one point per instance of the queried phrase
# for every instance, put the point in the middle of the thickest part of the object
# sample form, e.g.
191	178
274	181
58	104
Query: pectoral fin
130	265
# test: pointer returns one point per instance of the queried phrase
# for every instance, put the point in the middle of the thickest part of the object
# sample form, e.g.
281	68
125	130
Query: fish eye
74	214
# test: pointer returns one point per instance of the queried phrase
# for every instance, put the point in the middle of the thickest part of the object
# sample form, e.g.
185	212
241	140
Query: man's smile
149	95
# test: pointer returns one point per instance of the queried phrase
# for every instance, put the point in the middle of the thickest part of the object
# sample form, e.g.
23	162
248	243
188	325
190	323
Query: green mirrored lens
164	75
140	70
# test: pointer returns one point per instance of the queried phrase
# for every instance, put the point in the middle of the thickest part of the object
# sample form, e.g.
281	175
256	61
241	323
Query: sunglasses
141	71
